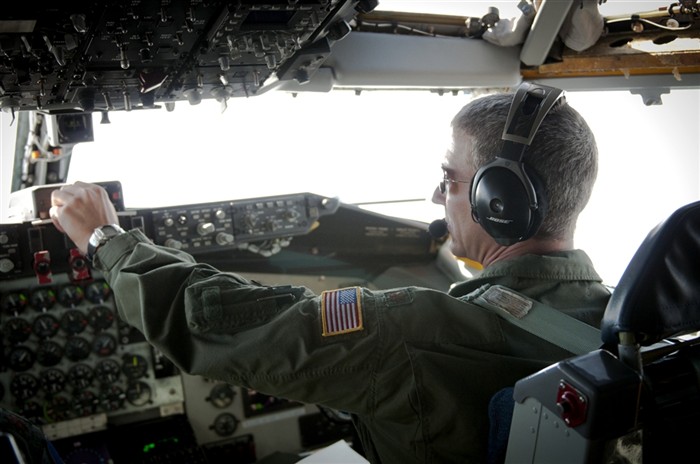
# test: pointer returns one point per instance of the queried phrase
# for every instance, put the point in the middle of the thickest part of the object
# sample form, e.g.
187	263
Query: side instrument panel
96	386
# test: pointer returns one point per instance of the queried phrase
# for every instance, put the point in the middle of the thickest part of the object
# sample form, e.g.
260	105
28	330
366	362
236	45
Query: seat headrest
658	295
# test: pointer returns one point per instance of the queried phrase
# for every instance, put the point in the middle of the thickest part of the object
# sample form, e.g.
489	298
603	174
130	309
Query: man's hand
79	208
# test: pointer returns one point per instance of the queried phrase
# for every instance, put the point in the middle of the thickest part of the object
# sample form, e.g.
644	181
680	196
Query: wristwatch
99	237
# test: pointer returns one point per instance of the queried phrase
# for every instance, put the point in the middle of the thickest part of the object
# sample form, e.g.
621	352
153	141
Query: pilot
415	367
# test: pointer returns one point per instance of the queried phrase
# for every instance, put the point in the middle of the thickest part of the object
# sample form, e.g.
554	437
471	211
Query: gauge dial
85	403
24	386
21	358
58	408
222	395
225	424
98	292
80	376
104	344
73	322
31	410
77	348
45	326
14	303
101	318
138	393
112	398
49	353
52	381
71	295
107	371
134	366
43	299
17	330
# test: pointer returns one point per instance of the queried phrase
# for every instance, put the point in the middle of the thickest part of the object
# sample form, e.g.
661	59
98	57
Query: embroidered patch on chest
341	311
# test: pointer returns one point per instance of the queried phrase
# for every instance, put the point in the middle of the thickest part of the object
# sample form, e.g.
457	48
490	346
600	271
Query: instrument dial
24	386
52	381
138	393
100	318
85	403
43	299
73	322
104	344
71	295
77	349
225	424
17	330
21	358
134	366
107	371
14	303
221	395
97	292
45	326
49	353
112	398
80	376
58	408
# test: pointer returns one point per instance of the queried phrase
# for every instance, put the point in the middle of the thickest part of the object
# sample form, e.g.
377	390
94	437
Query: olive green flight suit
415	367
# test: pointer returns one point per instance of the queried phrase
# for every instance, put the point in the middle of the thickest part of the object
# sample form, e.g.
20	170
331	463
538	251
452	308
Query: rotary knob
205	228
172	243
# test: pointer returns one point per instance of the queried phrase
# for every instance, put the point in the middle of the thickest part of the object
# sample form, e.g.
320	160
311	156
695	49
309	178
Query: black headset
507	198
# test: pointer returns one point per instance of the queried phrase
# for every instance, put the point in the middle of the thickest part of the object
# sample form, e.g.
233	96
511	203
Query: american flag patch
341	311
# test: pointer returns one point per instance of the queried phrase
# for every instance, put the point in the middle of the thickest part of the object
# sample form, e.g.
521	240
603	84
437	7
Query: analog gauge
52	381
98	292
45	326
71	295
14	303
24	386
134	366
31	410
104	344
225	424
49	353
58	408
138	393
107	371
101	318
112	398
42	299
17	330
85	403
221	396
21	358
77	349
80	376
73	322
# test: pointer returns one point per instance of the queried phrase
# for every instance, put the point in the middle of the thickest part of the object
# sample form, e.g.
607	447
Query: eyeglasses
443	183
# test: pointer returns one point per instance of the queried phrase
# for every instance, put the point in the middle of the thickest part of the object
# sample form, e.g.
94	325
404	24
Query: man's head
563	154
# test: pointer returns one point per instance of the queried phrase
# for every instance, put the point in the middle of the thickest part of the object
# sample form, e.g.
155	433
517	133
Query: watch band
99	237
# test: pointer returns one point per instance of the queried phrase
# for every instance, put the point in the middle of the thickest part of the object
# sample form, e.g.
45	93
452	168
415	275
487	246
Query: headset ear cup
501	196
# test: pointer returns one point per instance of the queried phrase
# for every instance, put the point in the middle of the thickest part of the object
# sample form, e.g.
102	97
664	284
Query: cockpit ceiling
106	55
97	55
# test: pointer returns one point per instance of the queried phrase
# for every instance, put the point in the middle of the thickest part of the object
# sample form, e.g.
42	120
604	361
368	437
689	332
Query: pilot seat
637	398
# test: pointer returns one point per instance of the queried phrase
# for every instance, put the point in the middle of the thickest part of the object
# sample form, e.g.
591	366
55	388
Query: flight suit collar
571	265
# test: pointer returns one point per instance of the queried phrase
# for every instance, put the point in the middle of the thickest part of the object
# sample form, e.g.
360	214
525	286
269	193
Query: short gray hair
563	154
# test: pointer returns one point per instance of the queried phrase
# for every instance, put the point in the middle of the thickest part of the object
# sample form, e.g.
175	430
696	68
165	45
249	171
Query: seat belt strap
539	319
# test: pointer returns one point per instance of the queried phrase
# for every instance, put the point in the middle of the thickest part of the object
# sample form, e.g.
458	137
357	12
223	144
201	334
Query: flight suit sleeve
222	326
285	340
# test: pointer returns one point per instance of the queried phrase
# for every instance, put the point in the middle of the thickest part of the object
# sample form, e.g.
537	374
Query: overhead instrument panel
112	55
